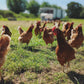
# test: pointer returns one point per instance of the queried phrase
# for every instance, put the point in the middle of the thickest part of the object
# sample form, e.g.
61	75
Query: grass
21	19
37	63
28	19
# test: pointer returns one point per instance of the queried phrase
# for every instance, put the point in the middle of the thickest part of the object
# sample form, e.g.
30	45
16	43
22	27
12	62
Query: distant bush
7	13
19	16
82	14
28	15
32	16
1	16
25	15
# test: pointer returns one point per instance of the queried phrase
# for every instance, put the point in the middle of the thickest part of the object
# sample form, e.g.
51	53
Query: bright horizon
61	3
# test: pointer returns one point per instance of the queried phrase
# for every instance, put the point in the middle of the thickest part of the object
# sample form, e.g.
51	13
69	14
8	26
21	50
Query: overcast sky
61	3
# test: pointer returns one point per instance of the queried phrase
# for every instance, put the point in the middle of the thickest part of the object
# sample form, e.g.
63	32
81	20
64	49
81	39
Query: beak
54	33
41	30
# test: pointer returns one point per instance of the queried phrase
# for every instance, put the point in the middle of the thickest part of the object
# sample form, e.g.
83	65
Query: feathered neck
37	26
6	29
71	27
30	29
44	25
61	40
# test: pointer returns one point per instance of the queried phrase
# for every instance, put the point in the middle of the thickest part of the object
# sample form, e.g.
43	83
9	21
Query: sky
61	3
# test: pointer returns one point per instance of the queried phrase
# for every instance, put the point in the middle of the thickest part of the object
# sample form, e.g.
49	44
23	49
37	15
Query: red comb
53	28
68	23
41	30
80	25
54	34
38	22
3	25
72	23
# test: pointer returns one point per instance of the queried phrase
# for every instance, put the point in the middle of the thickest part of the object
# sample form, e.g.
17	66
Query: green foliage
74	9
1	16
45	4
55	6
82	13
28	15
16	6
7	13
25	15
33	7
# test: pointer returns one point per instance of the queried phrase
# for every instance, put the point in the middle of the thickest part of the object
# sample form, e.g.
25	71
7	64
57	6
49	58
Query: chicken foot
68	66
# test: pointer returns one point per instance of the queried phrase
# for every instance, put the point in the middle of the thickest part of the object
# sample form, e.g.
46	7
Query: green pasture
36	63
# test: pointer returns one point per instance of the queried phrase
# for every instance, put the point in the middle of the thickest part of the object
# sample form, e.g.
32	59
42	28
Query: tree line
74	9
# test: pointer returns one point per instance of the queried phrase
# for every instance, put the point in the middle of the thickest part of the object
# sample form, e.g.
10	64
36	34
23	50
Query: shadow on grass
13	47
31	48
2	81
21	71
53	48
36	70
76	78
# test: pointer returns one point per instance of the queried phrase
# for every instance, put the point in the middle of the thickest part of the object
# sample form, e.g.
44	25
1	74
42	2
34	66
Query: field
37	63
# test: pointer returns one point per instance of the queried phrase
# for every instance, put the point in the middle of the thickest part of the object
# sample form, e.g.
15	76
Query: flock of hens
67	39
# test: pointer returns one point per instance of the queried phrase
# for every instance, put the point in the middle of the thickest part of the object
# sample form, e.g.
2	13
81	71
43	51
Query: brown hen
65	53
77	37
68	31
37	29
4	47
5	30
57	23
42	28
66	25
25	37
48	36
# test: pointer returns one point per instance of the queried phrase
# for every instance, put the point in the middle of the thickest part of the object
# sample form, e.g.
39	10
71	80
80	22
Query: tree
16	6
45	4
33	7
74	10
82	13
55	6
